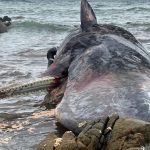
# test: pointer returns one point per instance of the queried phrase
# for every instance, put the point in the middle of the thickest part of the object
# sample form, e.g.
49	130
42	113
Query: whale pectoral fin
88	17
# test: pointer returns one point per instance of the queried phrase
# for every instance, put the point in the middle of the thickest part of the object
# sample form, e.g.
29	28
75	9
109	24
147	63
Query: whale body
107	70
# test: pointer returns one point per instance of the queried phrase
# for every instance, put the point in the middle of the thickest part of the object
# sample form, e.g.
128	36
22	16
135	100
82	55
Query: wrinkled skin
107	70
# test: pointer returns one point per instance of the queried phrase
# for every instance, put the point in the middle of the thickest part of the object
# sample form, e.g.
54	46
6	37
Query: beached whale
105	69
107	72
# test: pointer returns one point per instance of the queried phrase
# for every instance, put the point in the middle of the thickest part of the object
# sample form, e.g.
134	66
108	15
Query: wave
45	26
144	40
147	29
138	9
16	1
15	73
146	24
17	17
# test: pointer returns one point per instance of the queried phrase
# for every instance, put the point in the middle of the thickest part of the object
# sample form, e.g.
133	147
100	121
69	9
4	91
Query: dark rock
4	23
48	143
3	27
127	134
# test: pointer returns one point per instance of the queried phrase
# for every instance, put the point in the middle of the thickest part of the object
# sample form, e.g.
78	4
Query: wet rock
4	23
127	134
3	27
48	143
69	135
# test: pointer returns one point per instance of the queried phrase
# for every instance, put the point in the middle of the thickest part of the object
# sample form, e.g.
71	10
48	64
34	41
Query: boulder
3	27
127	134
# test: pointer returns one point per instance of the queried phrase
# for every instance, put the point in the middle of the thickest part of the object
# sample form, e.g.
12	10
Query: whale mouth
55	94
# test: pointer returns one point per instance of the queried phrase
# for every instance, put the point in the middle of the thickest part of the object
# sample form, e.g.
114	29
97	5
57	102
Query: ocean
38	25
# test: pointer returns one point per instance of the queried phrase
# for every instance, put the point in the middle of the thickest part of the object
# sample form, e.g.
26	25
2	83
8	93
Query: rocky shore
127	134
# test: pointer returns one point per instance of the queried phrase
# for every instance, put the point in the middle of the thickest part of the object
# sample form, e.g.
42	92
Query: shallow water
38	25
